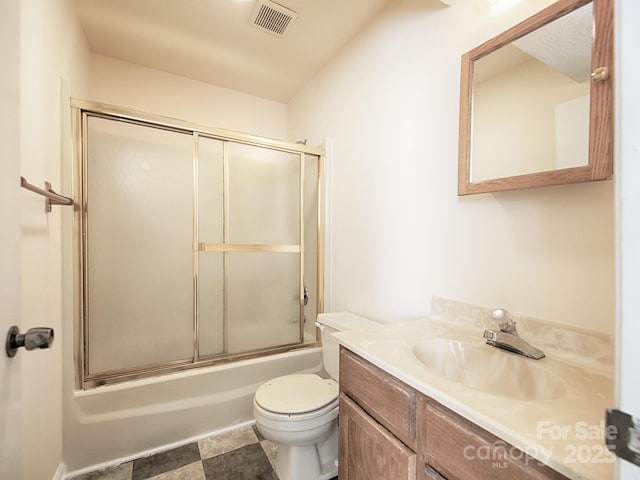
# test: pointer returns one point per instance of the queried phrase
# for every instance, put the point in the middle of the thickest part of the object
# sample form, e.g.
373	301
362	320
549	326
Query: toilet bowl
287	413
300	412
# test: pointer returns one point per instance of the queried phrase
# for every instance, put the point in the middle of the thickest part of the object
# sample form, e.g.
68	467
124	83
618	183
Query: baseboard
61	472
153	451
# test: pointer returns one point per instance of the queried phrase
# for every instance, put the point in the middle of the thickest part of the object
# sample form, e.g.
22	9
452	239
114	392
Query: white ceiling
213	41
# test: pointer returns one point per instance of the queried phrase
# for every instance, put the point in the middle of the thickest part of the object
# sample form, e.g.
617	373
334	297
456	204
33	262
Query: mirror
536	101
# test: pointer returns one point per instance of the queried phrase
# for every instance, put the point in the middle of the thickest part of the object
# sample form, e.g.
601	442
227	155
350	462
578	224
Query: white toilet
300	412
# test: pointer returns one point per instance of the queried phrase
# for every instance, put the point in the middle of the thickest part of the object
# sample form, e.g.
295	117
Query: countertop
563	429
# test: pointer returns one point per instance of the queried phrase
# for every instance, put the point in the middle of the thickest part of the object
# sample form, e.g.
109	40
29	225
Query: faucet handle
501	317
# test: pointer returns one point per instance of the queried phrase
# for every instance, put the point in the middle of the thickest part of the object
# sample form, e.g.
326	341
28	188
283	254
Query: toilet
300	412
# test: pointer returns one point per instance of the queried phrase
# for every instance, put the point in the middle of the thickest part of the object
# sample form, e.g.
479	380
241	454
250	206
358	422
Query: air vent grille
272	18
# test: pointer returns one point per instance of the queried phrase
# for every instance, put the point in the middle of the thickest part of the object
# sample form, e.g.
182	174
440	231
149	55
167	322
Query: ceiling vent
271	17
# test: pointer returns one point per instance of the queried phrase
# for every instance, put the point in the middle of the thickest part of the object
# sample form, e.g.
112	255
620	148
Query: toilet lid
296	393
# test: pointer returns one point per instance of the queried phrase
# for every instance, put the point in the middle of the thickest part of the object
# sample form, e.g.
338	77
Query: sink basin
487	369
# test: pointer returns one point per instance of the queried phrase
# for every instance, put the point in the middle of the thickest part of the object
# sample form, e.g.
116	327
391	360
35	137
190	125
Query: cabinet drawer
460	450
368	451
388	400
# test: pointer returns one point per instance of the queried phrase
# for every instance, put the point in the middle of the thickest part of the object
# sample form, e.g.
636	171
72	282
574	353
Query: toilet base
308	462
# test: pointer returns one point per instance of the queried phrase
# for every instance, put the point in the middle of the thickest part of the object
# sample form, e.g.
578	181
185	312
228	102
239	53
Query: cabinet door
368	451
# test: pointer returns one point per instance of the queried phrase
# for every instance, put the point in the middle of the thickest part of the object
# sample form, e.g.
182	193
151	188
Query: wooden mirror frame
600	165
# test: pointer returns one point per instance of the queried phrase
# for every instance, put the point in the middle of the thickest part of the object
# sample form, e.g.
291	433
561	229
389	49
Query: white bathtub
113	424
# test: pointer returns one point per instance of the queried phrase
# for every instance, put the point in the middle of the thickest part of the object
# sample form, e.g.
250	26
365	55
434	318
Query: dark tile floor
240	454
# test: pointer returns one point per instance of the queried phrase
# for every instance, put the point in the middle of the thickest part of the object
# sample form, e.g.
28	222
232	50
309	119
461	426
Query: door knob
38	337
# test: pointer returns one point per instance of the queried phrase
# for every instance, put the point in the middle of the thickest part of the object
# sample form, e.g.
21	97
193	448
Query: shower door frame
81	110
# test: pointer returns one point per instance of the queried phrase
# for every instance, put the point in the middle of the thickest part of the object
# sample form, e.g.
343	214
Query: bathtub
113	424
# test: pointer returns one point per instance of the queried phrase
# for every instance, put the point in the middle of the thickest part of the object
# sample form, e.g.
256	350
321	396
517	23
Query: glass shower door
192	246
259	246
139	294
264	209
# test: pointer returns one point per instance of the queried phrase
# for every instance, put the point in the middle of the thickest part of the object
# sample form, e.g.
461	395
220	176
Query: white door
628	229
10	414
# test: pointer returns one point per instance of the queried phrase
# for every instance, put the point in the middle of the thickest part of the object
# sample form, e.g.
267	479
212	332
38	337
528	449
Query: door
10	414
628	229
368	450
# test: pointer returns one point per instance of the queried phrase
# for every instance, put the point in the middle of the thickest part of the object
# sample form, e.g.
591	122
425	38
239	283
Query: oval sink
490	370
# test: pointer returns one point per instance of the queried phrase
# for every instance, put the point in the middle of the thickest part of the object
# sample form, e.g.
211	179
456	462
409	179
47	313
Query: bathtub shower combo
194	247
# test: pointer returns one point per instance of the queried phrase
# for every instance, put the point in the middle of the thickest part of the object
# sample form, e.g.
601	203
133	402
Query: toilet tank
329	323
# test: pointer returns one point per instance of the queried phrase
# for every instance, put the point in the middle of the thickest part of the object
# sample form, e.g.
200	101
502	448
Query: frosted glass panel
210	191
264	196
167	212
263	300
311	244
140	260
211	300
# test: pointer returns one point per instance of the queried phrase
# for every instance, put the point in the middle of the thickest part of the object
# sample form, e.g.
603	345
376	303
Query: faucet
508	339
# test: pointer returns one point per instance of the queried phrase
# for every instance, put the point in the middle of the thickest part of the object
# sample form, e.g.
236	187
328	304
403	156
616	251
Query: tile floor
240	454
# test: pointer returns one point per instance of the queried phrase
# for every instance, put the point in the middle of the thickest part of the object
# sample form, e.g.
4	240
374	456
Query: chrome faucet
508	339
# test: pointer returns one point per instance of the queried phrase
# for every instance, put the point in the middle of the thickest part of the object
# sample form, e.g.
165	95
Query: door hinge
623	435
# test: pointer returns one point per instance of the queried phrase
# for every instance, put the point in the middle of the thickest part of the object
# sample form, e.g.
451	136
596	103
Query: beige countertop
553	409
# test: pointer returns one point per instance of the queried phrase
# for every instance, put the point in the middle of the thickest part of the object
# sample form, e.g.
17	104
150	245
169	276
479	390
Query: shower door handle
305	295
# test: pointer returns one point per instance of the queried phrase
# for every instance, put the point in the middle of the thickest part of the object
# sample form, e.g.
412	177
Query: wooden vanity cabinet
389	431
377	423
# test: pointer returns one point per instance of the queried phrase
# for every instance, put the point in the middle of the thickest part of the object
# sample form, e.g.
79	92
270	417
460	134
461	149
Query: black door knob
38	337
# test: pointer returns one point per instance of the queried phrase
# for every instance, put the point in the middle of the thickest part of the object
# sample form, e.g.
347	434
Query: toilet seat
305	395
299	413
296	421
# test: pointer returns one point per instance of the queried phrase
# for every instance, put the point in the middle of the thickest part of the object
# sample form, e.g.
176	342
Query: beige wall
398	232
10	368
52	47
132	86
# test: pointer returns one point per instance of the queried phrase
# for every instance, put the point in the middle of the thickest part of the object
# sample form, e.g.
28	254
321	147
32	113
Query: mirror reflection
530	109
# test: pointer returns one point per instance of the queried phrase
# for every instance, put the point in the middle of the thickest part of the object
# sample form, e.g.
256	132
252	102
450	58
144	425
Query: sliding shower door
251	252
193	247
139	234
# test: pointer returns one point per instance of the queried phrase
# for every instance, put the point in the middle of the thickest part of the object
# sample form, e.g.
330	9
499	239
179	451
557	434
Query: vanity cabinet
377	423
389	431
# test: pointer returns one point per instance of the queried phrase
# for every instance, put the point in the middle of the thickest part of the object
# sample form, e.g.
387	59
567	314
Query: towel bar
51	197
